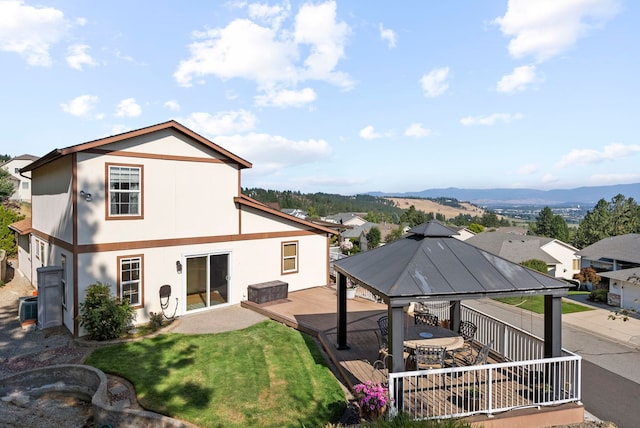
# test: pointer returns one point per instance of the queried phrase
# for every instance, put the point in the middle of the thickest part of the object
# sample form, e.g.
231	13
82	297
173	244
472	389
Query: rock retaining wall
87	382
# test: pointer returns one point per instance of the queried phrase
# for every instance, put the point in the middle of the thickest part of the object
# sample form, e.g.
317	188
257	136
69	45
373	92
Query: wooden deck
313	311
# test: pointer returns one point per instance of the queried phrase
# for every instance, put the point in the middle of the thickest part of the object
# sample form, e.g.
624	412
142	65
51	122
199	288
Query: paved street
611	368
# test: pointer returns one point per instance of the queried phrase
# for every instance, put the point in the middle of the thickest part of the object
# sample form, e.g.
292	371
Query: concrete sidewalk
597	322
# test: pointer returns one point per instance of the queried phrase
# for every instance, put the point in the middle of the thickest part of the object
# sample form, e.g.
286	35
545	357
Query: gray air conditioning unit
28	308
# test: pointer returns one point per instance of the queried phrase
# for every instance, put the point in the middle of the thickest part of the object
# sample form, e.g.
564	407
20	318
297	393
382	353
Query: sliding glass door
207	281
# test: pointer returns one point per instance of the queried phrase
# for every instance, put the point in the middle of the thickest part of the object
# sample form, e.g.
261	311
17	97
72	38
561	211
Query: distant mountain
493	197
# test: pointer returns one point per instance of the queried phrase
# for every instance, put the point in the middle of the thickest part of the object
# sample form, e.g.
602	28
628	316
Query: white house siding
51	207
181	199
250	262
24	255
565	255
23	185
255	221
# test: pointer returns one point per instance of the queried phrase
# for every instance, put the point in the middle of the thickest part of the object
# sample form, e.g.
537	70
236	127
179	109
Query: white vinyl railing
525	379
490	388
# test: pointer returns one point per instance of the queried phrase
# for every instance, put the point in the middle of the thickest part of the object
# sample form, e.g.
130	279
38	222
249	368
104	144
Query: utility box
268	291
49	296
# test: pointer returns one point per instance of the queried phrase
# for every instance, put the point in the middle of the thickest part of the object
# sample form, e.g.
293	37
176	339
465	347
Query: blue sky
340	96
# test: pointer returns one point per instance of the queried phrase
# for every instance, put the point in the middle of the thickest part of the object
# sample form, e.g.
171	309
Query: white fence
526	379
490	388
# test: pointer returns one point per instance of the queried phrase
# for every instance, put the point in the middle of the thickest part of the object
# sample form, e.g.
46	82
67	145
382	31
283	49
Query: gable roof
622	247
430	263
172	124
514	247
250	202
21	157
628	275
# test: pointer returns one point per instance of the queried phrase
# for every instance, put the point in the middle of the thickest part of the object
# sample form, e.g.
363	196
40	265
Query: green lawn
267	375
536	303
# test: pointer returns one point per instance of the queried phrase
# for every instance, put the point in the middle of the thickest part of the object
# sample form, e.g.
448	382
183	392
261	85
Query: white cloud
546	28
388	36
491	119
30	31
591	156
518	80
77	57
286	98
605	179
268	55
549	179
417	130
527	169
272	153
271	15
119	129
368	133
172	105
435	83
80	106
128	108
222	123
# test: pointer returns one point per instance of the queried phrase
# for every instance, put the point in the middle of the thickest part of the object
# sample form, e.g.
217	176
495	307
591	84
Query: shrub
105	317
599	295
155	320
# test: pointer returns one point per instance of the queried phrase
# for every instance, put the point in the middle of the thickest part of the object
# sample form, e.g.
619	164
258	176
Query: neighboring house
463	232
560	257
22	183
296	212
347	219
155	206
617	258
358	233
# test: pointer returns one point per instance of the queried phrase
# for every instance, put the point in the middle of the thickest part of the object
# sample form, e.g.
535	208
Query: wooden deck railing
463	391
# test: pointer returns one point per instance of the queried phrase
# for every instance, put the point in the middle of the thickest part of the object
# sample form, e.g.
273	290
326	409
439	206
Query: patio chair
467	330
380	370
423	318
480	358
429	357
383	346
383	325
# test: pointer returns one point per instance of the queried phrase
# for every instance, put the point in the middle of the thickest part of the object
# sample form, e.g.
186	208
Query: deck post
552	326
455	315
341	282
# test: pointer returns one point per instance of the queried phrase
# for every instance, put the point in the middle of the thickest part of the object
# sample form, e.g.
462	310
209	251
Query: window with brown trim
130	281
124	186
289	257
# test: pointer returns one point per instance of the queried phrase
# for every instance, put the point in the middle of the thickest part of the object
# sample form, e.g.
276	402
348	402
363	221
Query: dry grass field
436	208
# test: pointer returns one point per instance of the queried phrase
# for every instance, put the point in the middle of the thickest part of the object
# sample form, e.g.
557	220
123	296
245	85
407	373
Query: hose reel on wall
165	297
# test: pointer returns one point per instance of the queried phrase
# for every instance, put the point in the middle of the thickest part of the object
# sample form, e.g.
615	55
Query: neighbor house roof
22	227
514	247
21	157
623	274
622	247
172	124
356	231
431	264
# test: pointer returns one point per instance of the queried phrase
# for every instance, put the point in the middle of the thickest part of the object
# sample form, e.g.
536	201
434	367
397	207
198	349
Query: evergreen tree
6	185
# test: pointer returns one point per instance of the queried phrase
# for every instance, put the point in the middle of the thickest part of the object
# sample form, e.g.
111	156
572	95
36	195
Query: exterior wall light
85	195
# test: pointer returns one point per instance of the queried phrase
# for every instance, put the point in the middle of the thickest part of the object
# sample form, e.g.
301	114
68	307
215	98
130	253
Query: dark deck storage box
268	291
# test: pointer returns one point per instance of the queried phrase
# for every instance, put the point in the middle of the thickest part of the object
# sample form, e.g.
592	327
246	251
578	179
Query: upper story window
125	191
25	184
289	257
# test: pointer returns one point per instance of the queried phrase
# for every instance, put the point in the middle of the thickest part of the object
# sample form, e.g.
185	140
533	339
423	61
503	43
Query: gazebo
430	264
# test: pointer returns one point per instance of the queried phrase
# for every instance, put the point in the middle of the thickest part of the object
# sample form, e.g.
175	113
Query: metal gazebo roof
431	264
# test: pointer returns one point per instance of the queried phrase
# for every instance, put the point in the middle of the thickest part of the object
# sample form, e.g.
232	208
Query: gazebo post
396	341
455	315
341	282
552	326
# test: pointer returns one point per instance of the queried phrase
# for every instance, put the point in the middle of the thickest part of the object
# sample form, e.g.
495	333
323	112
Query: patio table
433	336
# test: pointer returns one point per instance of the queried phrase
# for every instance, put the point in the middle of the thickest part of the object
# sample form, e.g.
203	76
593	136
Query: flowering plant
346	245
373	398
